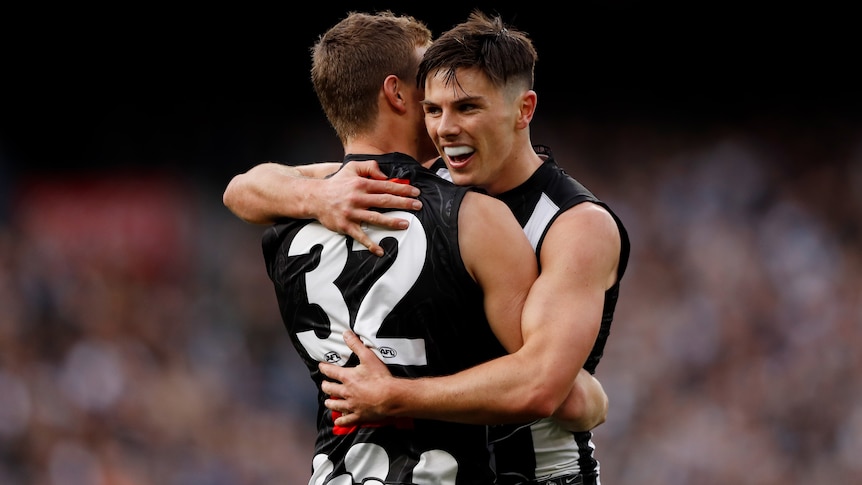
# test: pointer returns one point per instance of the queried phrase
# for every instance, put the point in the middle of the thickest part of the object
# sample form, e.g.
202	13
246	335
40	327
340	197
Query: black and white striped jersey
417	306
542	448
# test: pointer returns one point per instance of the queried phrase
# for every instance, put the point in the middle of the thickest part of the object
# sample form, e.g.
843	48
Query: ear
526	108
392	92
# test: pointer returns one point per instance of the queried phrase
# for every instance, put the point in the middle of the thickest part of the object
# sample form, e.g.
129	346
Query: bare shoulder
586	220
584	237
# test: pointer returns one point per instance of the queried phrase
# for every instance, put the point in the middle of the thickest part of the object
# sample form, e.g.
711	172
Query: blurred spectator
140	345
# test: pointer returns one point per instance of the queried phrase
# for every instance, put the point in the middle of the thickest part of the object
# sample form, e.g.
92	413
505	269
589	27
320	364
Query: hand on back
357	393
348	196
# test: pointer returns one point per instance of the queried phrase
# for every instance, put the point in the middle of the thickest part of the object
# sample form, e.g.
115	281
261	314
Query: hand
360	395
353	190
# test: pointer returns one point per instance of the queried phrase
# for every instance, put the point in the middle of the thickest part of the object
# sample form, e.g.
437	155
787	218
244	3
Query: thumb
370	169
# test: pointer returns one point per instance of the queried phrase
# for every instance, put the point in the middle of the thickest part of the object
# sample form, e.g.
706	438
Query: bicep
501	260
563	312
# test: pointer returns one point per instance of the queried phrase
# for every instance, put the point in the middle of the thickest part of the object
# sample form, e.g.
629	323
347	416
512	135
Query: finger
331	371
368	168
346	420
394	201
337	405
342	415
355	343
328	388
355	231
382	220
333	389
391	201
393	188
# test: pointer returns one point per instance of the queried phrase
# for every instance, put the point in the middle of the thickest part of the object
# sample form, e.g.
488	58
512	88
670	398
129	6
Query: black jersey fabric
417	306
541	449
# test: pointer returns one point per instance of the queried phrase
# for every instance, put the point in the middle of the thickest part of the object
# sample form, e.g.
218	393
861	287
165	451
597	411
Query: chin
461	178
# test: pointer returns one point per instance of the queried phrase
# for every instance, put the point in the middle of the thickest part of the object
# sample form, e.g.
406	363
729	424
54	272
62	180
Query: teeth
457	151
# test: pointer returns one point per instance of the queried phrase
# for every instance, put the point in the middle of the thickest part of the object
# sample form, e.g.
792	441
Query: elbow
541	402
523	407
603	413
597	413
592	417
583	415
539	398
230	195
236	199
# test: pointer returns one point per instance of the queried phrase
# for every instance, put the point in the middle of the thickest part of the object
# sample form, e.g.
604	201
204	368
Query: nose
448	125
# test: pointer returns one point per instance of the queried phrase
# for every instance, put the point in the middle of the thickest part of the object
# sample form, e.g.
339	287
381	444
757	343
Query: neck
519	167
373	145
365	147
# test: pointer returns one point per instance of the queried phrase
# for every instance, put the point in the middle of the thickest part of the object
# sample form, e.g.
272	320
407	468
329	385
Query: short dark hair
503	53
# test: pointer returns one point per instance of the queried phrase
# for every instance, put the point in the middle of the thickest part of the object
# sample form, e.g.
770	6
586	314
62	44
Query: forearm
499	391
270	191
531	383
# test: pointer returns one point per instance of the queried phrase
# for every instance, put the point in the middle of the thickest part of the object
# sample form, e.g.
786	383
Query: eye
431	110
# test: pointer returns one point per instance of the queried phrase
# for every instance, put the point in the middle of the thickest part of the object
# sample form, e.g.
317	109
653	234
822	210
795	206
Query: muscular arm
585	407
271	191
560	323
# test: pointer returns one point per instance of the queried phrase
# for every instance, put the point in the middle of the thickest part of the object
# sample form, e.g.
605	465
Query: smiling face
477	127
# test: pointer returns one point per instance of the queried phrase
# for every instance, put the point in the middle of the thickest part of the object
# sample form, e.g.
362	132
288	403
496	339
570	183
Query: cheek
431	125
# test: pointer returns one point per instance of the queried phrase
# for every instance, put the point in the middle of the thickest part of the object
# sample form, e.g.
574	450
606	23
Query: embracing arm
585	407
561	320
560	323
271	191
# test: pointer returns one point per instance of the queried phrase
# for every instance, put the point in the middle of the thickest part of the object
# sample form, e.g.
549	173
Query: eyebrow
465	99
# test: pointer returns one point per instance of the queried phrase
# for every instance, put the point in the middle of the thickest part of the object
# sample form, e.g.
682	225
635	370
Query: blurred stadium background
139	338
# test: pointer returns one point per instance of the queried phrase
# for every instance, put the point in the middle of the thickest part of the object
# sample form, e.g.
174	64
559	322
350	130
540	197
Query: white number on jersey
384	294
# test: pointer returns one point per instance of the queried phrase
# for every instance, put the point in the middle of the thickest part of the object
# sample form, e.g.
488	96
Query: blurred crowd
140	342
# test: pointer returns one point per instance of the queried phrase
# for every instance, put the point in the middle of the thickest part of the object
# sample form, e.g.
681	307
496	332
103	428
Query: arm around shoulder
270	191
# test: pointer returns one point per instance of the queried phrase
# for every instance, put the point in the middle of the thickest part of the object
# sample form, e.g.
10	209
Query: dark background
214	91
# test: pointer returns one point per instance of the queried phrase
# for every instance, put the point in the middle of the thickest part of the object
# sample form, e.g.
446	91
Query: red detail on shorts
399	423
400	181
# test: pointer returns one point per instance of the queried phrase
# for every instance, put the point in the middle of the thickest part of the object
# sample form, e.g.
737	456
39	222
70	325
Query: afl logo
332	357
388	352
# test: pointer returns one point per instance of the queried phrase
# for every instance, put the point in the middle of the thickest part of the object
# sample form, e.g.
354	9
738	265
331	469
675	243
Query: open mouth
458	154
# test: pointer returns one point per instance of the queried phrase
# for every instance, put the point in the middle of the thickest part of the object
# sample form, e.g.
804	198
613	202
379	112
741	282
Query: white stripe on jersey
555	448
443	173
539	220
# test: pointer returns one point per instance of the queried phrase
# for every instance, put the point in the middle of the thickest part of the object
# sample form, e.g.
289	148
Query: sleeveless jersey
543	449
416	306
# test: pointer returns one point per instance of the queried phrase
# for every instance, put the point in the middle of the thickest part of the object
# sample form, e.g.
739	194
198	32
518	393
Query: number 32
384	294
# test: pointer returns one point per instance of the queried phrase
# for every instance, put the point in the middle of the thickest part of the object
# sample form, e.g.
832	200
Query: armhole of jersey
457	259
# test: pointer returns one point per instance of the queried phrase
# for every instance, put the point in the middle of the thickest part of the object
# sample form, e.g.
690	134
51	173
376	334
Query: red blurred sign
132	223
